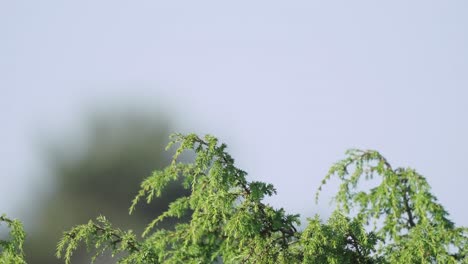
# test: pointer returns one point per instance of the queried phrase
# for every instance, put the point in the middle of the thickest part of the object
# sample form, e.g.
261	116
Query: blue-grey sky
289	85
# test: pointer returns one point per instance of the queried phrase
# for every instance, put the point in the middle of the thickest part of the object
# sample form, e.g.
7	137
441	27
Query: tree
118	146
398	221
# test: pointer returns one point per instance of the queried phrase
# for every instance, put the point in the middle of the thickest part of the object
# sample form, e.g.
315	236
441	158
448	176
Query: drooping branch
408	209
102	236
285	232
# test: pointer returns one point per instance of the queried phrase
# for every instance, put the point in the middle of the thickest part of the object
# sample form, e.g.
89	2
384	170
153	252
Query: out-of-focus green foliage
398	221
98	172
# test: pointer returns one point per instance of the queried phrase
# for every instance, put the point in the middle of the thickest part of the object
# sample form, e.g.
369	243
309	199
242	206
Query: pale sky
288	85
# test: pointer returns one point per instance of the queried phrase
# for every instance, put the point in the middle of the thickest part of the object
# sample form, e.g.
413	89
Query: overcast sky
289	85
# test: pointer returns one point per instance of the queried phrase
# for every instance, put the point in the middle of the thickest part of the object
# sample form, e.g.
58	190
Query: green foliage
99	173
413	226
100	235
340	240
11	251
398	221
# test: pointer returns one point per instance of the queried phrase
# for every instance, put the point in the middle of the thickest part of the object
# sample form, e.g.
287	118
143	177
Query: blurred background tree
100	174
